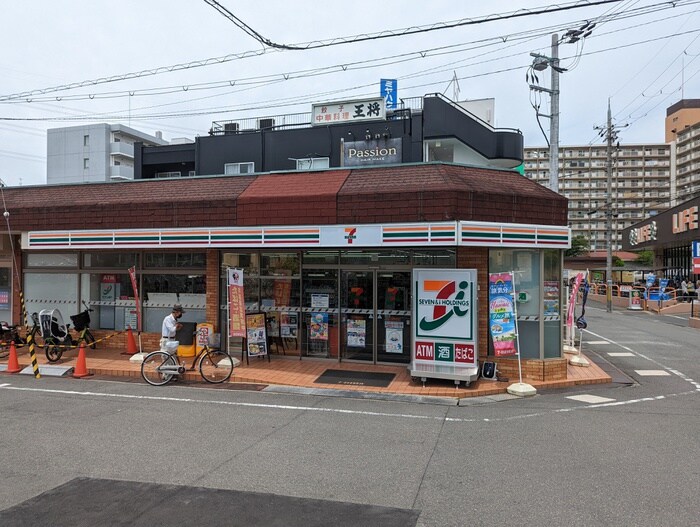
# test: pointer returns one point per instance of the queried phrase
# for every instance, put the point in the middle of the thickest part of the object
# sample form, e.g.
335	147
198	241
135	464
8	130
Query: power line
312	45
310	97
401	32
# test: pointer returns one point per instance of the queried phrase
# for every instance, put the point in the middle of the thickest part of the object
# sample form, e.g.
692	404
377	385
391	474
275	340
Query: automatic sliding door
394	316
357	315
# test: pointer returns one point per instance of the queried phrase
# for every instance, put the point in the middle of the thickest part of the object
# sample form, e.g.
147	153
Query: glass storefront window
112	299
374	258
443	258
525	264
105	260
320	257
280	264
551	281
175	260
319	331
249	262
51	291
50	260
161	291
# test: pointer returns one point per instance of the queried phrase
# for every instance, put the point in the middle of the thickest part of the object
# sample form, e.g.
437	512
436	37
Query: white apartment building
93	153
641	185
687	145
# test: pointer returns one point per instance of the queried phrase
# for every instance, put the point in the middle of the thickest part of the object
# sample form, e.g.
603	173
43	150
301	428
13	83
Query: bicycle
57	336
8	335
160	367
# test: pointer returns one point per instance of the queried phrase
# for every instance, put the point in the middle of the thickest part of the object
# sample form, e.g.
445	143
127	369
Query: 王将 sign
371	109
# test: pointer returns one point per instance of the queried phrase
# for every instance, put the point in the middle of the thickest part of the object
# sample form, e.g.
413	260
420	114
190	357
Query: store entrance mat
356	378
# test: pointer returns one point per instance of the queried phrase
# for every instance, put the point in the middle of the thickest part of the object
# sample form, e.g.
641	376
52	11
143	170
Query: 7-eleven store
334	290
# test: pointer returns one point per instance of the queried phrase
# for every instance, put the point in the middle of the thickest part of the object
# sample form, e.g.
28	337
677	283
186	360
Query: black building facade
439	130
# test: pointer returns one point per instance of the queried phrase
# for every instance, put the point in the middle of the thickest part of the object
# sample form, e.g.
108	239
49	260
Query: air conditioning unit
266	124
230	128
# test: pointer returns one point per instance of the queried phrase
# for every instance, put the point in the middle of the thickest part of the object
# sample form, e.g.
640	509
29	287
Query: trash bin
185	335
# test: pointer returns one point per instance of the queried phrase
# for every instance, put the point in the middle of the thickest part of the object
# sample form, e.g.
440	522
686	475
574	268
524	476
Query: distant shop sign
371	109
374	152
696	257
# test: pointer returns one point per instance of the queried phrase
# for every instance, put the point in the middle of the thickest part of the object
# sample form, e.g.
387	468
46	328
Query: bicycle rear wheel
150	368
216	367
90	340
4	349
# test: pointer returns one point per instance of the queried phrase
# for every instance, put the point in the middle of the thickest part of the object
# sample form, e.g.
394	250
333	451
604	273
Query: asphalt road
91	452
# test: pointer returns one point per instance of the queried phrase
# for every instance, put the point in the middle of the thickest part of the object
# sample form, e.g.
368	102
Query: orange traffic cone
130	343
12	363
80	365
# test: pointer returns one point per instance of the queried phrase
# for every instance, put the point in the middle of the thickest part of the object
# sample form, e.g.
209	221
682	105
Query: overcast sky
54	43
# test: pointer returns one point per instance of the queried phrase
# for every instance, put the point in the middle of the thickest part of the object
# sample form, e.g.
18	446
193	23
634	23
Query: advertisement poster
134	286
551	298
356	332
288	325
394	336
318	328
273	324
256	336
502	314
573	293
281	291
650	280
236	303
319	301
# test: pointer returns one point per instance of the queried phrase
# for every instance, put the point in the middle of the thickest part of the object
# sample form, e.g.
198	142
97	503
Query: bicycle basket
81	320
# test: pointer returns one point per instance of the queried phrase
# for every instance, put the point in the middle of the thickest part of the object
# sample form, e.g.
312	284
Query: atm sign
425	351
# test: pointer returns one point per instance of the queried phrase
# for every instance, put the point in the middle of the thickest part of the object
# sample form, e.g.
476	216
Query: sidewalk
290	371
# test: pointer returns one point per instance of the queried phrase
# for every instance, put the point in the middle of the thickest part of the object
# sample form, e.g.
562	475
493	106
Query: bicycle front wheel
53	352
150	368
216	367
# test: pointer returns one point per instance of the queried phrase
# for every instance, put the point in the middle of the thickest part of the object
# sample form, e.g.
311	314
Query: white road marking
676	316
590	399
652	373
7	386
598	342
621	354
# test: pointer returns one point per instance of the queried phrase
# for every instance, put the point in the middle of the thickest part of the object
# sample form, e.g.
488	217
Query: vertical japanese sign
573	294
388	91
134	286
444	311
696	257
502	314
236	303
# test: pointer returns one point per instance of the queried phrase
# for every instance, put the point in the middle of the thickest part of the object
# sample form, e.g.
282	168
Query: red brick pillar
212	284
17	313
478	258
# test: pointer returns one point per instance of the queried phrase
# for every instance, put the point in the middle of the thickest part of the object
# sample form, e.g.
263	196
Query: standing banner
236	303
134	286
573	294
502	314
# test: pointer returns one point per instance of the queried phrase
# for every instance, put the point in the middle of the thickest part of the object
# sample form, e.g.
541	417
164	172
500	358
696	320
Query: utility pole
541	63
554	119
610	134
608	213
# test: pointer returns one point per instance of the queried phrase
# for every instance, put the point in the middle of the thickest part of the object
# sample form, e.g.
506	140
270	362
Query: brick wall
212	285
478	258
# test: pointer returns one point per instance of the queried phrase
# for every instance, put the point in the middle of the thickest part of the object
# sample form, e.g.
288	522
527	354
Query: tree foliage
617	261
580	246
645	258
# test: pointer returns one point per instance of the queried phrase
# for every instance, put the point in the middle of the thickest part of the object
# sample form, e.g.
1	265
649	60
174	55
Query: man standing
684	291
171	325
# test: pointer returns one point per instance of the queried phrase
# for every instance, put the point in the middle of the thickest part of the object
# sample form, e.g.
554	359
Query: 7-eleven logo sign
445	303
350	234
